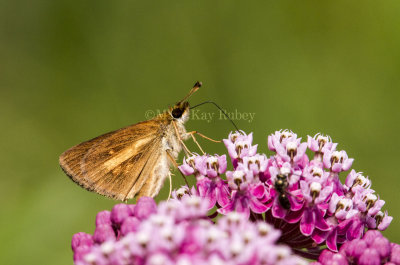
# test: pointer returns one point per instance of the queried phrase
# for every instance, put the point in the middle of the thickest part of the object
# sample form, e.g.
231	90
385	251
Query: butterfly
132	161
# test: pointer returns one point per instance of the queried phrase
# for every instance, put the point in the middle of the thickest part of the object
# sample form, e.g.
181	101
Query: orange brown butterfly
135	160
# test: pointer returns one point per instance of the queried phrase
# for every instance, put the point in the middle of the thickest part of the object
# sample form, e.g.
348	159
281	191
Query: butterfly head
180	111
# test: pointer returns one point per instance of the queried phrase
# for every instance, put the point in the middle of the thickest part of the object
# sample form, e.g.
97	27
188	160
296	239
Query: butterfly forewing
119	163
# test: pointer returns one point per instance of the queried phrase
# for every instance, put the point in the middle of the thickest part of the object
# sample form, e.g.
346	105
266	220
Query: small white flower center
322	139
380	214
212	160
90	258
263	229
285	171
282	252
363	181
166	233
248	236
234	136
315	187
158	220
233	217
238	176
142	238
107	247
215	260
212	234
317	172
157	259
291	147
236	247
286	134
301	262
182	191
241	145
336	156
371	197
193	201
190	161
346	204
251	160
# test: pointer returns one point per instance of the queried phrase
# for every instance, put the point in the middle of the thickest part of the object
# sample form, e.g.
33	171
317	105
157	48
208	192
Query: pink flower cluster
300	195
258	210
178	232
372	249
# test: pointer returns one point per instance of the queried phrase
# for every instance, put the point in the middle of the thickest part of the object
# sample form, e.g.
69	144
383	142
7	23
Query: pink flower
248	193
320	143
288	147
341	207
279	138
240	145
183	191
119	213
256	164
103	217
81	244
286	195
214	190
103	233
357	179
373	248
144	207
337	161
211	166
382	220
191	165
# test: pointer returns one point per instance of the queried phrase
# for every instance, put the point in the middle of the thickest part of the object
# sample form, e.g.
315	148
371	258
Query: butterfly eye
177	113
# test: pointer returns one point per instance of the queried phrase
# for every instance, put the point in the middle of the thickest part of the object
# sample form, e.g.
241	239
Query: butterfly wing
156	176
118	164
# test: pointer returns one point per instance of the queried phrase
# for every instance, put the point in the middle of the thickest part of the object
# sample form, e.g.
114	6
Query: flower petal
347	164
331	240
277	210
320	222
319	236
222	164
257	206
258	191
186	169
293	216
307	223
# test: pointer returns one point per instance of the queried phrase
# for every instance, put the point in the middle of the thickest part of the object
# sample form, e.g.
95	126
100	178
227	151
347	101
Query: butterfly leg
197	143
170	185
187	151
192	133
177	166
202	135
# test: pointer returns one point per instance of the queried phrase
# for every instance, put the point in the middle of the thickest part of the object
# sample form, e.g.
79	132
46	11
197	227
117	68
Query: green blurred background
72	70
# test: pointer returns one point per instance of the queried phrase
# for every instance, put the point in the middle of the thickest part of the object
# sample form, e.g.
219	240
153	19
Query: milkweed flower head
250	208
299	194
178	232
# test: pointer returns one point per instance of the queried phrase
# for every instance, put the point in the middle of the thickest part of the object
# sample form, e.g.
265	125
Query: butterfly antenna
215	104
196	87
